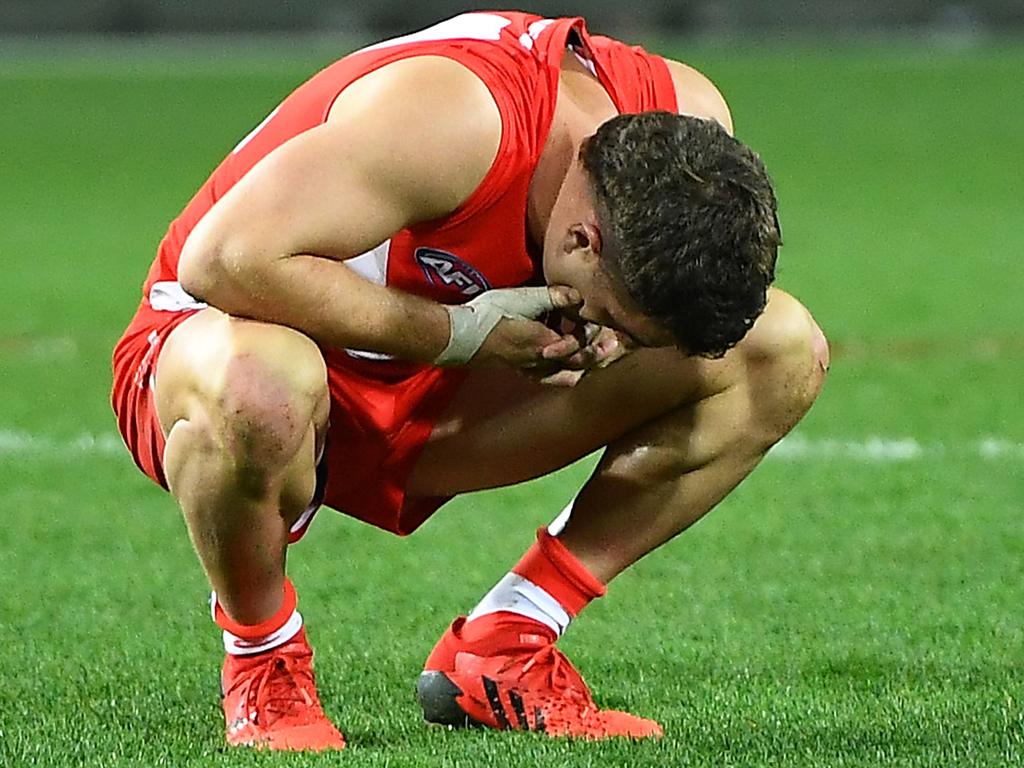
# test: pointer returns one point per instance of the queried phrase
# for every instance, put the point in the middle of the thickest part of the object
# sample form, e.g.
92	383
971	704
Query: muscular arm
405	144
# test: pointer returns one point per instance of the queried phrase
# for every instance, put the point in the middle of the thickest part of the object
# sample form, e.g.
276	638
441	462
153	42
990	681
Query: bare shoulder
698	96
426	125
784	324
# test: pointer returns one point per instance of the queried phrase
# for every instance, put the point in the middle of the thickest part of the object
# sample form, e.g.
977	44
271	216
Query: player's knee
265	412
788	356
264	389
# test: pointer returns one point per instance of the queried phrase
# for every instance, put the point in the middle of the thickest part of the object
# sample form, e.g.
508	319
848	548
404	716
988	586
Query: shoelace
557	673
278	686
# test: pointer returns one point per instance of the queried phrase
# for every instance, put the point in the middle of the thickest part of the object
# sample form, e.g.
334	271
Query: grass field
857	602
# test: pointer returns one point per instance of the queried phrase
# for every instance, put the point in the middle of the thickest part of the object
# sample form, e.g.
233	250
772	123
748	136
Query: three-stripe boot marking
501	714
494	697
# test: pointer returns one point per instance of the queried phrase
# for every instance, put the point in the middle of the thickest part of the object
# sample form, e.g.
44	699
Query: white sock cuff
238	646
514	594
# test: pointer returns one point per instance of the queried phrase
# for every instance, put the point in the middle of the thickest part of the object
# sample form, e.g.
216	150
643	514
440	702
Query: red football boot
270	700
517	681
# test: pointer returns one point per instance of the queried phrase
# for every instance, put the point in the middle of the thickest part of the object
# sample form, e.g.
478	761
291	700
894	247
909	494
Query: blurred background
696	17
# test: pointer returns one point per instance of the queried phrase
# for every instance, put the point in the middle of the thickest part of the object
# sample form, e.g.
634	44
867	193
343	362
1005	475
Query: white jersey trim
169	296
465	26
373	265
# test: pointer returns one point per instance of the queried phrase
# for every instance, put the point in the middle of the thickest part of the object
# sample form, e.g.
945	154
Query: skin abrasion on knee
247	639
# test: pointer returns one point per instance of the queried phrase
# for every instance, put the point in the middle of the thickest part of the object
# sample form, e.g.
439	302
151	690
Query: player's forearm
324	299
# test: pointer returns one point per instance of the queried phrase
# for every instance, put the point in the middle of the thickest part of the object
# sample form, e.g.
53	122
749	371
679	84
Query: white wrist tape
472	322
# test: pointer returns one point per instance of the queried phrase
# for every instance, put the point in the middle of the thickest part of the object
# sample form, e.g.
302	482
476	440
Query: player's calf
243	405
655	481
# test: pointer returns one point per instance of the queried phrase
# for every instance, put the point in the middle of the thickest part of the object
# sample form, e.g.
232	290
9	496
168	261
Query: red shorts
381	416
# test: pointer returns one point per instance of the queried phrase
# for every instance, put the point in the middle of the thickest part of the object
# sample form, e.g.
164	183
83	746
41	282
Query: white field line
18	443
796	448
894	450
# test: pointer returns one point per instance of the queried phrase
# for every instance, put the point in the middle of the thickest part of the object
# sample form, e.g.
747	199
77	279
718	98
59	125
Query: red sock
245	639
546	589
553	568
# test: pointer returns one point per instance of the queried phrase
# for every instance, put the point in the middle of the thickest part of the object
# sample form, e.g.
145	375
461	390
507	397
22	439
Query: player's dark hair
688	218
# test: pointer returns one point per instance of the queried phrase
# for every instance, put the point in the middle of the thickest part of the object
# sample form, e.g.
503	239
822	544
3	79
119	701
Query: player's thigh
239	375
503	428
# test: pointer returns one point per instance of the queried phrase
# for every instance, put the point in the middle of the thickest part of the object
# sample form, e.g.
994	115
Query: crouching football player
452	261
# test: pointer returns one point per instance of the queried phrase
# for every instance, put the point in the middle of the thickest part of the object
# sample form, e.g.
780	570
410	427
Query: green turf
835	610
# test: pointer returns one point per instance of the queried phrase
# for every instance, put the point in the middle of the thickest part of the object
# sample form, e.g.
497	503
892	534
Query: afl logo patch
447	269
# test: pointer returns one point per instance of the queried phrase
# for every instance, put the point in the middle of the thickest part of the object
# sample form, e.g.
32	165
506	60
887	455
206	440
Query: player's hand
595	347
520	341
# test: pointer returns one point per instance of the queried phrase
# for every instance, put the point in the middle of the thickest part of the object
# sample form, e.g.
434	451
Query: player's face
572	256
605	301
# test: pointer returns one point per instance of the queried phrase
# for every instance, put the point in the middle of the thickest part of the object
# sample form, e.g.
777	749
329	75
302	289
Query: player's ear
584	236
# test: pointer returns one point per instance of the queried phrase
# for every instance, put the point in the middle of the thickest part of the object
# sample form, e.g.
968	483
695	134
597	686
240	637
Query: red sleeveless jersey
382	411
483	244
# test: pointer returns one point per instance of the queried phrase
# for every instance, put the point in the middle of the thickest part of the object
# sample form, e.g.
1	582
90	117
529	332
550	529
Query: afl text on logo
447	269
